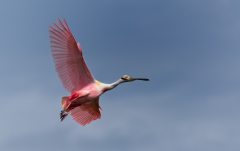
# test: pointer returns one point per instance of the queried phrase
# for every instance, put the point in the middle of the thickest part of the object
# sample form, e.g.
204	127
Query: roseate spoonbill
83	102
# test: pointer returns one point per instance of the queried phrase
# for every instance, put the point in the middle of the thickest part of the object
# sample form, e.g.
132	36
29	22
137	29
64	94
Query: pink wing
86	113
68	59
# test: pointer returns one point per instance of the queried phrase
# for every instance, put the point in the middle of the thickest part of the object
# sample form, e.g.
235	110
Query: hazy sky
189	49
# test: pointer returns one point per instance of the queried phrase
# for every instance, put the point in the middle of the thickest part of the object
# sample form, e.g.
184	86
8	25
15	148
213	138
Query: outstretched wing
68	59
86	113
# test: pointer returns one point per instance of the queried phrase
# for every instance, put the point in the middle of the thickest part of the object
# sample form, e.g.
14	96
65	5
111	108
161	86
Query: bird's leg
65	111
62	113
63	117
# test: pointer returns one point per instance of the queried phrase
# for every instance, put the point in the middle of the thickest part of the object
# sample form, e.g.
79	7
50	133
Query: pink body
85	95
85	104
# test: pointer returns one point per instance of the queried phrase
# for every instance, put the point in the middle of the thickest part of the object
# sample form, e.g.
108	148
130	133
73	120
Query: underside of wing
86	113
68	59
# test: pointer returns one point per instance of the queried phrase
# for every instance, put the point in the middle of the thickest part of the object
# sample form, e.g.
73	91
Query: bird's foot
62	113
63	117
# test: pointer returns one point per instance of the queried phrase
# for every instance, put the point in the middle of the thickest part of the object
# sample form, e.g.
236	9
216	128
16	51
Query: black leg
63	117
61	114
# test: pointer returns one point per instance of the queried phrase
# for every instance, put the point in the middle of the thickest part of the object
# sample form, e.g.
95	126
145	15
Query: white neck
107	87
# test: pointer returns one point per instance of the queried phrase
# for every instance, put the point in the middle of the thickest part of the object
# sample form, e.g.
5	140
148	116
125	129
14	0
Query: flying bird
84	89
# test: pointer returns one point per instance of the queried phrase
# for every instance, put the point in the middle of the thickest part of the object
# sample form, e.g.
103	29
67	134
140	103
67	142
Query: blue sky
189	50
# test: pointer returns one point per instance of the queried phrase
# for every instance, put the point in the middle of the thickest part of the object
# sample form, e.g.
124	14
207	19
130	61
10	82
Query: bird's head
126	78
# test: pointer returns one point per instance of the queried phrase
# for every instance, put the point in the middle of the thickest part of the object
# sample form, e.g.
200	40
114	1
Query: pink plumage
67	56
86	113
72	70
83	102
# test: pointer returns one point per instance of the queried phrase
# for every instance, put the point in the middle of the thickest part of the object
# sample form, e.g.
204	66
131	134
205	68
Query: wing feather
86	113
68	59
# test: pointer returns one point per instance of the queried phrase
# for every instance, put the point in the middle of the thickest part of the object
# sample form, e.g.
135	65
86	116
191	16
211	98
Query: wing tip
84	118
51	28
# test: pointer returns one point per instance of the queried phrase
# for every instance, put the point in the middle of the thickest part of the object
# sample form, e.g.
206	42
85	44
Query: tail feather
64	101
